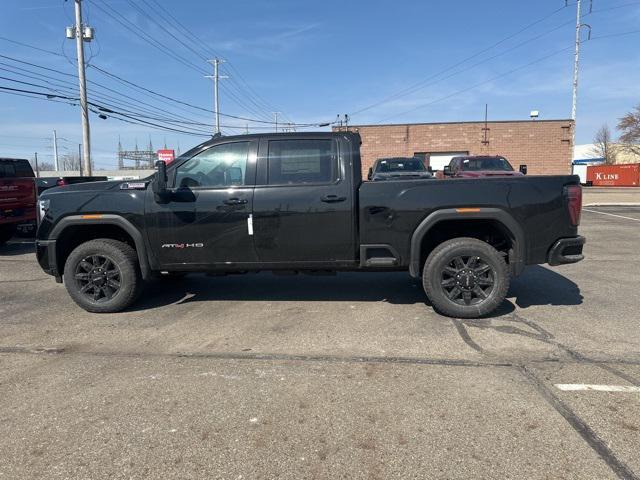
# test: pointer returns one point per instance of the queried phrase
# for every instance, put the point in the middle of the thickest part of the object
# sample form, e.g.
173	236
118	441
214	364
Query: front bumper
566	250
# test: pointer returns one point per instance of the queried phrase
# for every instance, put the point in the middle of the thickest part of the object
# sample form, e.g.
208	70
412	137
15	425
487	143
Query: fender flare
516	258
109	219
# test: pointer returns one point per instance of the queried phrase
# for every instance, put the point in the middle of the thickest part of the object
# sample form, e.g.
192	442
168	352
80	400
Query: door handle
235	201
333	199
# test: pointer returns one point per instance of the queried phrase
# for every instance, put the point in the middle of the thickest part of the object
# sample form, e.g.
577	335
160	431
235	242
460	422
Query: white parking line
578	387
611	215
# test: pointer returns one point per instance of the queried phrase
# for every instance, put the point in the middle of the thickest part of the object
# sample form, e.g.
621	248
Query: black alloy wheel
98	277
468	280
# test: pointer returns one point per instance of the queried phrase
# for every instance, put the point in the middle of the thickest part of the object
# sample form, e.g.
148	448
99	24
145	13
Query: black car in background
45	183
398	168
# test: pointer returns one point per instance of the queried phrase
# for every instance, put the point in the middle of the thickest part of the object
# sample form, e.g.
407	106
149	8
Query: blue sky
314	60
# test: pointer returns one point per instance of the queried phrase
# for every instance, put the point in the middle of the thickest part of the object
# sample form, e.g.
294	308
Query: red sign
167	156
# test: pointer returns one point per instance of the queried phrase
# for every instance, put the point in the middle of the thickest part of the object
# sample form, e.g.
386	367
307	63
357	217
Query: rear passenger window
23	169
7	170
293	162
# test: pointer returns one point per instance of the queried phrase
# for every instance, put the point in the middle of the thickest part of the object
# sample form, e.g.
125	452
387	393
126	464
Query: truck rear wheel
103	275
6	232
465	278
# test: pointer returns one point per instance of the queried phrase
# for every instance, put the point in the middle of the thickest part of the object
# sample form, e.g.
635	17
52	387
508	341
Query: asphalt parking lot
352	376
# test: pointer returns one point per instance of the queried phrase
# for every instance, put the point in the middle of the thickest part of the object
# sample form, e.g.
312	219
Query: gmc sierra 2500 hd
297	202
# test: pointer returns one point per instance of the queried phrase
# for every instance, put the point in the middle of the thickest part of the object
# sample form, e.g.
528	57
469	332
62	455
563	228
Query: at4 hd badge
180	246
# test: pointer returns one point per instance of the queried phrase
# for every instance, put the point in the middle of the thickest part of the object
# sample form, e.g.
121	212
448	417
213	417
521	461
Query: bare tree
629	125
70	162
42	166
603	145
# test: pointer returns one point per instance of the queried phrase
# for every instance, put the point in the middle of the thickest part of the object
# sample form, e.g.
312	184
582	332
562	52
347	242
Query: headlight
43	208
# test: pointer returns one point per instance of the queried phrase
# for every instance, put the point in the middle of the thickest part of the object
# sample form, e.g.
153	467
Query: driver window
220	166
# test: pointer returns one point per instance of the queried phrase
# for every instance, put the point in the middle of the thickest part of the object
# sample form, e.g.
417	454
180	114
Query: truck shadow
537	286
17	246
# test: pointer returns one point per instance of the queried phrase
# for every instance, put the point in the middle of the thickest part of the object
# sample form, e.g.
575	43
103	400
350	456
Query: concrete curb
613	204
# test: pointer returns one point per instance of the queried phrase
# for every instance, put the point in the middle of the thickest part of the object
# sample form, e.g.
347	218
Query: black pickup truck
296	202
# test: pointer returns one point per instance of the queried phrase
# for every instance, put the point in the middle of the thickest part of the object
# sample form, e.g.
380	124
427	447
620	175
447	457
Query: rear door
303	202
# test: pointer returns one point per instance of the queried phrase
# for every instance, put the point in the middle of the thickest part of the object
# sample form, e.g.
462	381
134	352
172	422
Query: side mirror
370	173
447	171
523	169
160	182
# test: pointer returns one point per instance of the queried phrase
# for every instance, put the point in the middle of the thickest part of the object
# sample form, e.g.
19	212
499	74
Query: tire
465	278
6	233
103	276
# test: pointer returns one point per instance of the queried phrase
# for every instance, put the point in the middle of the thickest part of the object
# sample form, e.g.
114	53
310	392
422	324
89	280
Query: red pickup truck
481	166
18	196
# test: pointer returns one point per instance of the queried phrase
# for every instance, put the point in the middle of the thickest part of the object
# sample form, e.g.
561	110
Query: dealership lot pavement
611	196
352	376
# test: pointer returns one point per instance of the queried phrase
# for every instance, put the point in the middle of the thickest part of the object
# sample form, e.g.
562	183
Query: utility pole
55	151
36	162
576	61
275	115
216	98
80	157
82	33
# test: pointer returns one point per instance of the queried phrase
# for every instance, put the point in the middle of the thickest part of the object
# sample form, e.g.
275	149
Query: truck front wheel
103	276
465	278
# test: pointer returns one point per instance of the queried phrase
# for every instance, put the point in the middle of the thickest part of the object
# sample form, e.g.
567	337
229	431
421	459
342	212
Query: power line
208	51
15	42
196	107
622	34
70	86
416	86
167	31
522	67
139	87
114	14
615	7
136	86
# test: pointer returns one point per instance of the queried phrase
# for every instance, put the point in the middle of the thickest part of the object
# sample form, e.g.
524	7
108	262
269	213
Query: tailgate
17	193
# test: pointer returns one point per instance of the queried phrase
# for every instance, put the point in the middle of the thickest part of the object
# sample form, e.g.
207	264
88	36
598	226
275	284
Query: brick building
543	145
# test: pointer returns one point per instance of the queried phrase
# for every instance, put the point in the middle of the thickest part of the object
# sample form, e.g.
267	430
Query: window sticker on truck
250	224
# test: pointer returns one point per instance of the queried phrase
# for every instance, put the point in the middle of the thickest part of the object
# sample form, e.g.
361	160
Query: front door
303	203
206	220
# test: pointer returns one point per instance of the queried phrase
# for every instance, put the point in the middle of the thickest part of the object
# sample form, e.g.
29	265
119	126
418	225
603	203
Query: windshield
401	165
487	163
